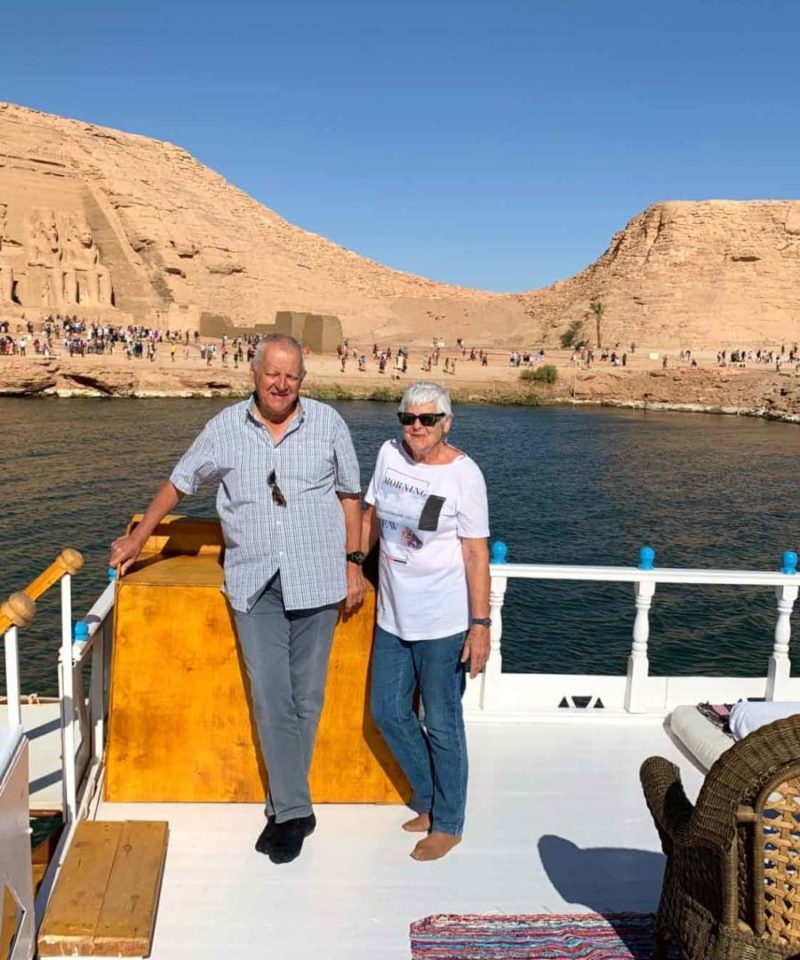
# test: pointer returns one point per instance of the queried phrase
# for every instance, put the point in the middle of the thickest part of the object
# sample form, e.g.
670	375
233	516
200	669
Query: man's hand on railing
124	551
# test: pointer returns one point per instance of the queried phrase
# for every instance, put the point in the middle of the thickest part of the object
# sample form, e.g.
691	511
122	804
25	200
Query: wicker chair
732	880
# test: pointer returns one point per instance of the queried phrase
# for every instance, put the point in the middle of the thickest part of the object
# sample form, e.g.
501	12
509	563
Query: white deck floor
41	723
555	823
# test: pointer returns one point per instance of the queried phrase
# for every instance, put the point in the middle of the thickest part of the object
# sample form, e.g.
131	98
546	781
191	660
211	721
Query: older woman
427	503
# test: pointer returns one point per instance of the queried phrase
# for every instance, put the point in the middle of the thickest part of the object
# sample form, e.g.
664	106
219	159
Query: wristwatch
481	621
357	557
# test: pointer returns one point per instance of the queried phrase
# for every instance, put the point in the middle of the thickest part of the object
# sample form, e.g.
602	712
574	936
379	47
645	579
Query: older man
289	503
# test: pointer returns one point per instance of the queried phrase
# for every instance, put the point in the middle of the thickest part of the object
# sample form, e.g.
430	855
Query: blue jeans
433	755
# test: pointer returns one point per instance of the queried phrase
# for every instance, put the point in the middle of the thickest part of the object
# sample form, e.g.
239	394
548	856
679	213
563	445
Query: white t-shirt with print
423	511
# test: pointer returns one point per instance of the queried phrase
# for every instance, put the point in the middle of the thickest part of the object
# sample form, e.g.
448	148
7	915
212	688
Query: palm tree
598	310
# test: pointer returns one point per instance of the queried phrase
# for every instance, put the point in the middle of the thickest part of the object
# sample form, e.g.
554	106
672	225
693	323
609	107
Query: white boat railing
501	694
494	694
90	641
15	873
15	614
81	719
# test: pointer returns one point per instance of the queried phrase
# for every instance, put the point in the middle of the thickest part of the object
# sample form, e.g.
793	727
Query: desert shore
755	390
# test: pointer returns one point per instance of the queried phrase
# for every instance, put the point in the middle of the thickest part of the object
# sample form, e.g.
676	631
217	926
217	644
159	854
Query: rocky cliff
95	220
709	273
100	222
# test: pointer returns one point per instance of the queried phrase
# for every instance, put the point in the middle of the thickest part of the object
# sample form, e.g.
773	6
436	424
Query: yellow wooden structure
180	726
105	899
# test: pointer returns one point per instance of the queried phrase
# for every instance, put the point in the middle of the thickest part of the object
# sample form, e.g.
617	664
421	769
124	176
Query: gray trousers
286	654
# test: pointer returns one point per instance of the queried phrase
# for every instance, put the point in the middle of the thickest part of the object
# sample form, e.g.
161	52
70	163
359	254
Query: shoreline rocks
756	393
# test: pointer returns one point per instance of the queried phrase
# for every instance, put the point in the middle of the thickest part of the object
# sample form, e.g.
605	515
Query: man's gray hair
281	340
422	392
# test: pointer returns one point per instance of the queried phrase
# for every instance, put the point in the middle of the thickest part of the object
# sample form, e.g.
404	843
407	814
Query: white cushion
747	717
702	739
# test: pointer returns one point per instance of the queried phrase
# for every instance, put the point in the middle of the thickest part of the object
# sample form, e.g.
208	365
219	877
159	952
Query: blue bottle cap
80	631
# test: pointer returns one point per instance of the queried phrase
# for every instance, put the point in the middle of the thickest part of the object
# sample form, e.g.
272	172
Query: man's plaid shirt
305	539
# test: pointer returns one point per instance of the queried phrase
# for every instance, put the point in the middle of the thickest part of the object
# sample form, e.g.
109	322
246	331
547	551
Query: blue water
565	485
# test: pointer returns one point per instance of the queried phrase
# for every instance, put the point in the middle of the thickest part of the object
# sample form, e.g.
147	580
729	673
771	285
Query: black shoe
287	838
264	842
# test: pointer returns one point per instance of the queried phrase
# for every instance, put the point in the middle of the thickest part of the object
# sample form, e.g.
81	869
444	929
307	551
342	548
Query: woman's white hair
422	392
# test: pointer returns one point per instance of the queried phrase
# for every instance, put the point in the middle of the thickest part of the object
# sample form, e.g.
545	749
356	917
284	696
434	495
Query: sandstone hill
110	224
692	274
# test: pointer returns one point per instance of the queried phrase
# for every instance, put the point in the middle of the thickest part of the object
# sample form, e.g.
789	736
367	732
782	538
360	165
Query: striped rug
621	936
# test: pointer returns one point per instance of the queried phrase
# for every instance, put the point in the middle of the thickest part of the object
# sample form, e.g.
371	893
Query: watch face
357	556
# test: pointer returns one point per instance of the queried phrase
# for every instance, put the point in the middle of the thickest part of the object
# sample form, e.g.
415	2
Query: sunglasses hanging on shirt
277	496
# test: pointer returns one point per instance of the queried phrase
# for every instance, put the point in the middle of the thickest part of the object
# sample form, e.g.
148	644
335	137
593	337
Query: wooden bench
105	900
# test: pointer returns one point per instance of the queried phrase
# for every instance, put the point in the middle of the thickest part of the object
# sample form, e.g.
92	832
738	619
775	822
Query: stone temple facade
318	332
61	251
76	240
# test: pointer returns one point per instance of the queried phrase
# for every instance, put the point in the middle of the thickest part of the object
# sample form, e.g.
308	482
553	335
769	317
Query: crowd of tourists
527	357
740	358
235	350
78	337
21	345
584	356
382	357
396	363
471	354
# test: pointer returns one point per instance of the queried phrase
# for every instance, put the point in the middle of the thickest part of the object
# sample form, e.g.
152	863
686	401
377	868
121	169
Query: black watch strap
481	621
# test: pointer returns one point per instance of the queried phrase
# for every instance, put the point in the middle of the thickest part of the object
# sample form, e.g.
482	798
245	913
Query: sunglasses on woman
426	419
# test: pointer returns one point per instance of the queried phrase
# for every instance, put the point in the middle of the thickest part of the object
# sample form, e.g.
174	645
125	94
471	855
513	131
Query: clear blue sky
497	144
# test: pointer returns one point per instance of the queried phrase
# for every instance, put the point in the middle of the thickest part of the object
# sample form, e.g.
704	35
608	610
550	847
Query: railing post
779	663
492	672
80	637
97	684
68	786
12	678
638	662
19	610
